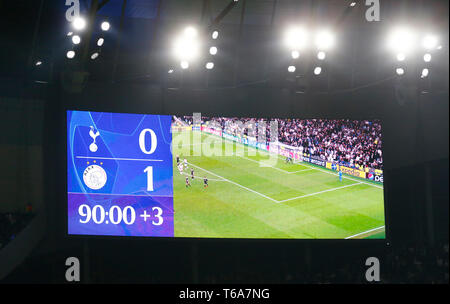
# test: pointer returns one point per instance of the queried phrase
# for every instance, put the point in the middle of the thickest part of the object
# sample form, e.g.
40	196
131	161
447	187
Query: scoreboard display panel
120	176
217	177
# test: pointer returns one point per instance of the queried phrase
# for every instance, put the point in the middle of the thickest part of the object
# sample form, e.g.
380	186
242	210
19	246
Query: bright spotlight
100	41
296	38
321	55
70	54
429	42
105	26
401	40
291	69
170	71
324	40
213	50
184	64
79	23
439	47
190	32
425	73
215	34
38	63
210	65
69	33
186	47
401	57
295	54
76	39
95	55
317	70
352	4
400	71
427	57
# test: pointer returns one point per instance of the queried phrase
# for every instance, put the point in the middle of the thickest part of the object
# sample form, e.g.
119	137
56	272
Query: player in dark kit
178	159
205	182
188	184
192	173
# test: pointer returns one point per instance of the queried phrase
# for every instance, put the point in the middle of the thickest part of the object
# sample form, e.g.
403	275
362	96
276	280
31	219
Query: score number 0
154	144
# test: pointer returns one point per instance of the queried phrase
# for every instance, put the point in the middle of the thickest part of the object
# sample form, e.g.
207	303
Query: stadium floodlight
186	46
439	47
95	55
69	33
427	57
401	40
425	73
76	39
291	69
190	32
401	57
295	54
105	26
296	38
321	55
317	70
209	65
213	50
100	41
184	64
79	23
70	54
324	40
429	42
38	63
352	4
400	71
170	71
214	35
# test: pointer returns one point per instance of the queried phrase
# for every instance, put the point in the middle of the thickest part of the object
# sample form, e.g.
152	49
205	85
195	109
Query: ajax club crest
94	177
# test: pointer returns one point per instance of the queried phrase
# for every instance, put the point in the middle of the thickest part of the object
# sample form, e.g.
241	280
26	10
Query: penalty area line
234	183
311	194
374	229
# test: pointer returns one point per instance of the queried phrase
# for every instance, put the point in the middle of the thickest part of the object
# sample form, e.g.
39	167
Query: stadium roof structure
137	48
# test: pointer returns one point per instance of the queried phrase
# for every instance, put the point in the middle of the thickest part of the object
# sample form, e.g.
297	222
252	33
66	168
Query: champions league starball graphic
120	176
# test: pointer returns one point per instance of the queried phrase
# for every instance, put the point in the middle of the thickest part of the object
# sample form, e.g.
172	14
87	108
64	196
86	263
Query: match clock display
120	175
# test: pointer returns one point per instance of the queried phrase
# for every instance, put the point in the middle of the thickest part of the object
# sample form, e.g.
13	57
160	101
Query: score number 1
154	144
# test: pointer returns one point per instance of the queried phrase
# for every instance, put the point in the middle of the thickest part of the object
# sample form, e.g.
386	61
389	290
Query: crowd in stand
355	143
11	223
404	265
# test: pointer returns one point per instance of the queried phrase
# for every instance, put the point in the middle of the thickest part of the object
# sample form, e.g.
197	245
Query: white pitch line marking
315	193
291	172
234	183
378	228
268	166
262	164
343	176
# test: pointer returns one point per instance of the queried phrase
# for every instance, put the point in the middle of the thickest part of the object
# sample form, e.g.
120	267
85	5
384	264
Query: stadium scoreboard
120	175
135	175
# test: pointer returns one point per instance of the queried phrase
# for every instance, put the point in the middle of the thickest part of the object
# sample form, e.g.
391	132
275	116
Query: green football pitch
250	195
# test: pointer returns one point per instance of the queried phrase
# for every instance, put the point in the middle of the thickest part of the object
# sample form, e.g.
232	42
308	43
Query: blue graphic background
120	155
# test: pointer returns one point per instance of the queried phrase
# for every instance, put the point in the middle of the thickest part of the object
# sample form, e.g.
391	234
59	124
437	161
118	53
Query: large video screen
218	177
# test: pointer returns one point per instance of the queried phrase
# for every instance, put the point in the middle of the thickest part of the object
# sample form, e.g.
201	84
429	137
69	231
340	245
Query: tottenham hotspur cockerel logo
94	176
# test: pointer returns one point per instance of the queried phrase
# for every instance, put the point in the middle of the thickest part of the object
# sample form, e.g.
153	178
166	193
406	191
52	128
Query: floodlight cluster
187	48
405	43
79	24
298	40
